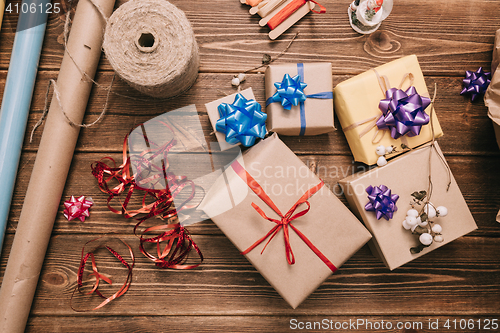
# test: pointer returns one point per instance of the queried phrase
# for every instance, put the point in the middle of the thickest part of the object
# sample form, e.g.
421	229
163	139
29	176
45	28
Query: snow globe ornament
366	16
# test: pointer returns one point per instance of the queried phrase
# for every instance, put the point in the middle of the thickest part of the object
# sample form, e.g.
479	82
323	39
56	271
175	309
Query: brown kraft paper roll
51	167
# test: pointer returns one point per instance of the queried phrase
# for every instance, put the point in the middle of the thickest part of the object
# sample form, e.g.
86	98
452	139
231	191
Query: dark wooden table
226	294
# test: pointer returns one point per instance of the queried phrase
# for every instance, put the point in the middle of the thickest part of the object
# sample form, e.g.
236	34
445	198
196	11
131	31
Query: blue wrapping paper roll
16	101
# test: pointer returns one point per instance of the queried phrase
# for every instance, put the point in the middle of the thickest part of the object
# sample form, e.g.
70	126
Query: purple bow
476	83
381	201
403	112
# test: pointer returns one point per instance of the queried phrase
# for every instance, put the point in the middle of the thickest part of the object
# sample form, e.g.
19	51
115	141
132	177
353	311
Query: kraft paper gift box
492	95
357	100
328	225
213	115
314	116
404	175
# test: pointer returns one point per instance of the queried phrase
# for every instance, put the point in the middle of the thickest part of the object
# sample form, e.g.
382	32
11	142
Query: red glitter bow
285	221
77	208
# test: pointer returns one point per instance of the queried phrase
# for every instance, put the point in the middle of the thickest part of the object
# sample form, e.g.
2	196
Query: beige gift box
213	115
318	113
329	225
404	175
357	100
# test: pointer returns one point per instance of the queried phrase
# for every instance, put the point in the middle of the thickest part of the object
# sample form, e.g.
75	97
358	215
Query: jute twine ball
151	45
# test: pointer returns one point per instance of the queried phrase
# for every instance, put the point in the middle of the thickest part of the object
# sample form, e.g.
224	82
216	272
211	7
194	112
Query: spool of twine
151	45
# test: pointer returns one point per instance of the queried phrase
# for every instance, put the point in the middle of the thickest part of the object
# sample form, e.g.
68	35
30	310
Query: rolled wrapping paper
16	100
151	45
51	167
2	7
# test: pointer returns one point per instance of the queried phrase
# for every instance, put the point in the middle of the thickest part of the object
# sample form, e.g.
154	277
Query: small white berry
242	77
431	211
381	161
235	81
411	221
420	223
388	149
412	212
442	211
437	228
414	227
438	238
406	225
425	238
380	150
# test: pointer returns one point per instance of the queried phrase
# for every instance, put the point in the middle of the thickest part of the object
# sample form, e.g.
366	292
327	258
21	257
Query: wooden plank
467	128
477	178
449	37
421	324
460	278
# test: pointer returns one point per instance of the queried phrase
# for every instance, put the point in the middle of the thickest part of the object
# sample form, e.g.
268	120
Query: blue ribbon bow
243	121
290	91
476	83
381	201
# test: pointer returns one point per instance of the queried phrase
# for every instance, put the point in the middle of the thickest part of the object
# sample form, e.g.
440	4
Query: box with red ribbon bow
384	106
299	98
284	219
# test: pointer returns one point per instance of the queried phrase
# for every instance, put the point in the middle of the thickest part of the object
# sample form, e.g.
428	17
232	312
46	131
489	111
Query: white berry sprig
384	152
420	223
238	79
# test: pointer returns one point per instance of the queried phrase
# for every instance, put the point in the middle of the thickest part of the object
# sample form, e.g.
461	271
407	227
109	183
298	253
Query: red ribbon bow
285	221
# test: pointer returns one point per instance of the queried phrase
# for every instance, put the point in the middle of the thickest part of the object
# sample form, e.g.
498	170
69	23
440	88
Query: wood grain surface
460	281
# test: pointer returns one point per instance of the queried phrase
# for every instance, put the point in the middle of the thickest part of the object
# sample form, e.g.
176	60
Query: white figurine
366	16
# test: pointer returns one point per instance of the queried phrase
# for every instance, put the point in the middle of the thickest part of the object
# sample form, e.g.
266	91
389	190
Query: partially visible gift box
492	95
357	107
303	104
237	119
403	176
329	233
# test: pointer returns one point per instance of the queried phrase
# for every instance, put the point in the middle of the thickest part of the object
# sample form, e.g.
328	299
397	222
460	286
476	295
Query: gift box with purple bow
299	98
389	106
392	202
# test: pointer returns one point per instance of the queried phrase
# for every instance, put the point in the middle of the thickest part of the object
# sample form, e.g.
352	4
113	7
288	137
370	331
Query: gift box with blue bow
299	98
237	119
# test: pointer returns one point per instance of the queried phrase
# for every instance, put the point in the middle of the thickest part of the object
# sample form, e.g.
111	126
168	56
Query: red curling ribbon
285	220
162	204
178	246
289	9
98	276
